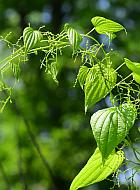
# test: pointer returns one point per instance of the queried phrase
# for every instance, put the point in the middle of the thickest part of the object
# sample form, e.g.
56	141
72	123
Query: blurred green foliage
55	113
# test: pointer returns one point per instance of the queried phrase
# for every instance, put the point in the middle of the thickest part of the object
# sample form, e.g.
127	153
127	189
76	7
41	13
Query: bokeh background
45	136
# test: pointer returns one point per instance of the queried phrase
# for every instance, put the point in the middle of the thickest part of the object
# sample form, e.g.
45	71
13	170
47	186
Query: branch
20	161
5	177
36	145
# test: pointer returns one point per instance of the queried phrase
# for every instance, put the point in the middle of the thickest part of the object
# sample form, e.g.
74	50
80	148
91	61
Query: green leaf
136	77
95	171
99	82
83	71
74	37
31	37
111	36
133	66
106	26
110	126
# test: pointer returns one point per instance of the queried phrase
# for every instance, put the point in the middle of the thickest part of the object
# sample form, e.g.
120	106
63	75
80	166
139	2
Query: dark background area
53	116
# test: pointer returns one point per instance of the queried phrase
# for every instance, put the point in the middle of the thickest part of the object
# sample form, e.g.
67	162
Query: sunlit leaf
31	37
133	66
98	84
95	171
83	71
106	26
136	77
111	36
111	125
74	37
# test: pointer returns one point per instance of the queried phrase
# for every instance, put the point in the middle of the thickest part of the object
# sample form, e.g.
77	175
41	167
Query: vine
97	78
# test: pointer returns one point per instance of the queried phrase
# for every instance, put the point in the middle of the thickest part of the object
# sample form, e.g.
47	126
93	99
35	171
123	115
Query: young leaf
110	126
98	84
95	171
83	71
133	66
74	37
31	37
105	26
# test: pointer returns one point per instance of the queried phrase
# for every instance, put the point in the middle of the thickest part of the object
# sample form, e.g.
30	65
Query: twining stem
133	90
100	47
58	42
20	162
90	31
120	66
123	79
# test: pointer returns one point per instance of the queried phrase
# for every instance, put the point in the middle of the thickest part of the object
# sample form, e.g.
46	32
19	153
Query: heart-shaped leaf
98	84
111	125
74	37
95	171
31	38
106	26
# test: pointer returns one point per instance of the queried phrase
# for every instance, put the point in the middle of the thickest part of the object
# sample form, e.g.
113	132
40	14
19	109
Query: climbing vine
97	77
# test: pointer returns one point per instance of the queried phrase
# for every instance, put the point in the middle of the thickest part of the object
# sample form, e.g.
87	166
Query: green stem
120	66
123	79
46	47
9	58
90	31
36	49
100	47
129	88
92	38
